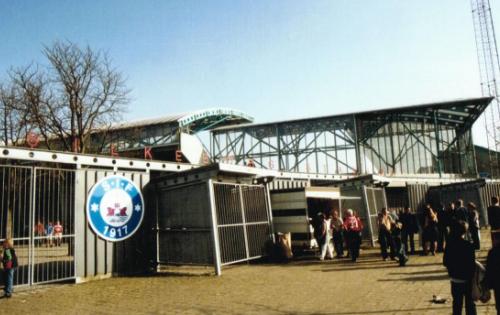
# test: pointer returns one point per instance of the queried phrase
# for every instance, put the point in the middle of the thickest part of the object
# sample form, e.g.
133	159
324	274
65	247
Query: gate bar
244	222
31	243
367	204
215	229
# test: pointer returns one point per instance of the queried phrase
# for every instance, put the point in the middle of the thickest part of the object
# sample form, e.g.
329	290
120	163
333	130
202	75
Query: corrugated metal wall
467	191
95	257
486	192
284	184
417	196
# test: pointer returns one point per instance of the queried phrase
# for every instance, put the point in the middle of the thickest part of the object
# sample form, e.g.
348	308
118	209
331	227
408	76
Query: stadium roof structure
432	138
165	131
195	121
460	112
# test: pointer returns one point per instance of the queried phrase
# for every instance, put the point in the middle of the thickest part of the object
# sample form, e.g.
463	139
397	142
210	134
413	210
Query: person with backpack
460	260
9	263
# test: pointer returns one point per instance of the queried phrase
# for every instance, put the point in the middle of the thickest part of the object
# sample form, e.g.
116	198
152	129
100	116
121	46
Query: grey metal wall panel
100	256
90	238
95	256
417	196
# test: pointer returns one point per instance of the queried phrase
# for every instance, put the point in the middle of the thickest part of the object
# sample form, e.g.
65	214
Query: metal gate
243	221
375	200
37	212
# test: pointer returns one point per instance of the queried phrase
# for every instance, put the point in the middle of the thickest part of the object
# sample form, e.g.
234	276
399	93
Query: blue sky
274	60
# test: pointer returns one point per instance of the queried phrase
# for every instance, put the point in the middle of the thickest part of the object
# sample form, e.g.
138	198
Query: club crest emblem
115	208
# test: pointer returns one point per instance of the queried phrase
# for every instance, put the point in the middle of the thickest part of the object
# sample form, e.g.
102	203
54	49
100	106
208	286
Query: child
9	262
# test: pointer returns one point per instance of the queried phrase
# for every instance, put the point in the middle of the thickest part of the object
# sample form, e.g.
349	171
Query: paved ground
370	286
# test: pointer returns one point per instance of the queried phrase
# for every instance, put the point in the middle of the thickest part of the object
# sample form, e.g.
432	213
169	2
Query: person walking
398	243
338	234
492	268
326	247
430	231
459	259
494	215
385	223
319	230
353	227
9	263
441	225
410	227
474	225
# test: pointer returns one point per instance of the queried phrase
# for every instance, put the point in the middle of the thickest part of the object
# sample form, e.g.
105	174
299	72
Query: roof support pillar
356	145
438	140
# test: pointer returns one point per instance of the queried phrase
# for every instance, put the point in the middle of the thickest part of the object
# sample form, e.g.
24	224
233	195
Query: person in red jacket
58	233
353	227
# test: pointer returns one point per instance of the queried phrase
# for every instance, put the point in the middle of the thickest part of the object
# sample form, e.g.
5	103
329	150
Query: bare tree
77	95
14	120
92	94
34	102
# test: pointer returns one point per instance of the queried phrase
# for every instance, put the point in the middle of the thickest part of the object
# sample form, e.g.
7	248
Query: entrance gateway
43	197
41	189
104	225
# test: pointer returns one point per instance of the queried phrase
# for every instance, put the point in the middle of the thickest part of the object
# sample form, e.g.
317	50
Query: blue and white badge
115	208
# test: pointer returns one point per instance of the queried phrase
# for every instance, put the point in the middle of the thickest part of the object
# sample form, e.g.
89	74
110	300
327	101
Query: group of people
396	231
392	236
52	233
331	228
462	239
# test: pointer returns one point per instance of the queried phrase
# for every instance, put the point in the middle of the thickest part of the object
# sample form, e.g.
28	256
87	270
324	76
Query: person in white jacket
326	246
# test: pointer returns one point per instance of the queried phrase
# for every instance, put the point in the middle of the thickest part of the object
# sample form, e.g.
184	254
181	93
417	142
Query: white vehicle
294	209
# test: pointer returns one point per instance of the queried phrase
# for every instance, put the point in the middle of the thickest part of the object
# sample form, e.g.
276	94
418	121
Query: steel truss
489	71
422	139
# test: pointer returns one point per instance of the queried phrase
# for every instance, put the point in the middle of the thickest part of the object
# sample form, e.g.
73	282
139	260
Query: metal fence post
368	215
215	230
270	211
31	242
244	221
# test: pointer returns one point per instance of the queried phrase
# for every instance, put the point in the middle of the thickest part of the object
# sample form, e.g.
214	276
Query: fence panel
54	228
243	221
15	216
36	211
